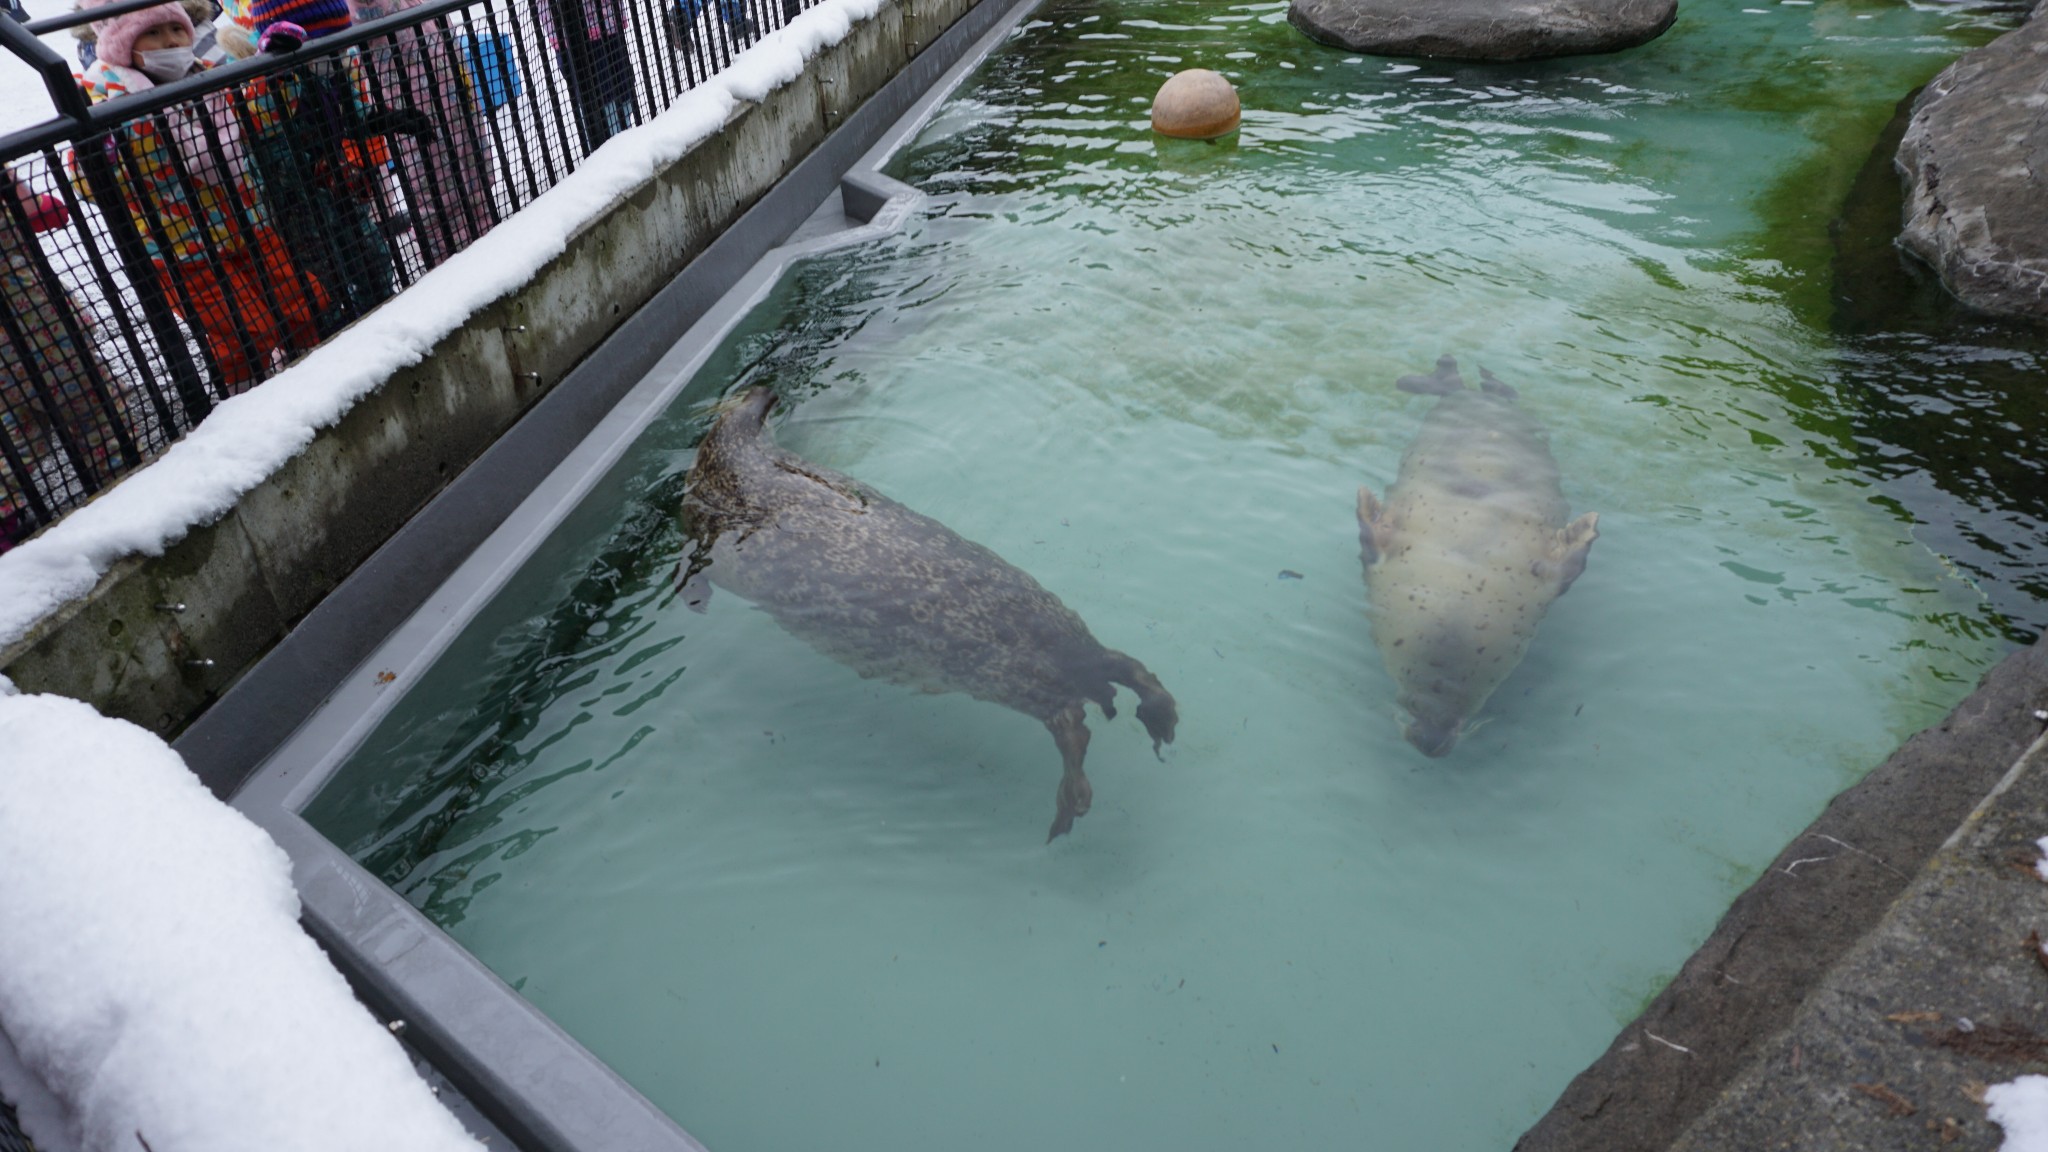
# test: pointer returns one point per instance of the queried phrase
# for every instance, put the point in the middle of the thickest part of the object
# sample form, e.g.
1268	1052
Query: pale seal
1467	553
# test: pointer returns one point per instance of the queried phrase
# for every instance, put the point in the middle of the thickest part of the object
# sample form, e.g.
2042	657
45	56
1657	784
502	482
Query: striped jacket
184	172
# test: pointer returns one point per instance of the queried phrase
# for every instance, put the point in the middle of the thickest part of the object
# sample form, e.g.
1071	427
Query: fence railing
170	247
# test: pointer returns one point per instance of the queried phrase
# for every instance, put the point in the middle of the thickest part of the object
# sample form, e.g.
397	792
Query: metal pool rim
275	738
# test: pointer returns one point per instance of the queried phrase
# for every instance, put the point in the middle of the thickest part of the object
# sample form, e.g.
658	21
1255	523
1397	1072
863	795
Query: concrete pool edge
507	1060
1696	1057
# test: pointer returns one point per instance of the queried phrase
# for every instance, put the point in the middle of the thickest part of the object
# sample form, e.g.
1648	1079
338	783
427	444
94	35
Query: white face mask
166	64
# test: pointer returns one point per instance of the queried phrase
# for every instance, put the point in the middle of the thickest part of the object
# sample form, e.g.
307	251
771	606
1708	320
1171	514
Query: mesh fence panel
165	261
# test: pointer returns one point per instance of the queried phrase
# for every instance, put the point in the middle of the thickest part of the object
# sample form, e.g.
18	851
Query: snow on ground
154	980
2021	1108
249	436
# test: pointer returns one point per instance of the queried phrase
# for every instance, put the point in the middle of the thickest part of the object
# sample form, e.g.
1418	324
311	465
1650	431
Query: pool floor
797	908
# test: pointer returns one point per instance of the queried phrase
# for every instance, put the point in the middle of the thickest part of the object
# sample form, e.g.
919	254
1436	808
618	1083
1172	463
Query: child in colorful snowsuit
192	194
317	139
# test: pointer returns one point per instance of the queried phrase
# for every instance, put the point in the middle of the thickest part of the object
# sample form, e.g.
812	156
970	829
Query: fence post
156	307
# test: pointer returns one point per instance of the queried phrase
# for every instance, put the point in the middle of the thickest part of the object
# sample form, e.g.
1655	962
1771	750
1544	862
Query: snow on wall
250	436
155	984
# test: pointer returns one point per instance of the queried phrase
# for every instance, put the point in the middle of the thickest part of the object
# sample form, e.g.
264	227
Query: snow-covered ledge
156	989
149	601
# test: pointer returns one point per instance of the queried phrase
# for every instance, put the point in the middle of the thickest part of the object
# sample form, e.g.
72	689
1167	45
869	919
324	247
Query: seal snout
1432	738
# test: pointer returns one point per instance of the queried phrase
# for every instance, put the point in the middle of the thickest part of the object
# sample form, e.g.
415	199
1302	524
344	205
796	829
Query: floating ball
1195	105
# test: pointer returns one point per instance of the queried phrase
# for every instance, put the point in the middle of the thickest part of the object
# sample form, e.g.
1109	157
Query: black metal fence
173	246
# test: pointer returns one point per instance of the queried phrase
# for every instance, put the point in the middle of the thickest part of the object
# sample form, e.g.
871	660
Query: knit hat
318	17
116	34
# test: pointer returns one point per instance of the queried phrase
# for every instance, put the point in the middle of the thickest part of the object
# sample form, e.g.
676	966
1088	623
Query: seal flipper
1069	729
1156	708
1567	558
1372	535
1488	382
1442	382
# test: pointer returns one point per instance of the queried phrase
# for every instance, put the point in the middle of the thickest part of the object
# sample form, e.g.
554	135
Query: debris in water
1289	574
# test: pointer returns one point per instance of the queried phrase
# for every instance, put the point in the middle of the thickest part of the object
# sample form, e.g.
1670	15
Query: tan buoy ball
1195	105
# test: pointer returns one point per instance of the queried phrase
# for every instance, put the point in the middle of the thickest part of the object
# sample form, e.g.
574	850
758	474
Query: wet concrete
1828	1009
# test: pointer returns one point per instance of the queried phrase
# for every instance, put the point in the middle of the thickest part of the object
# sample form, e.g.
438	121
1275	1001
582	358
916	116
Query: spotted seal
895	595
1467	553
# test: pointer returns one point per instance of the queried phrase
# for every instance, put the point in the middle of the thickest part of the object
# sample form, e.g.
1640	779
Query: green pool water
798	909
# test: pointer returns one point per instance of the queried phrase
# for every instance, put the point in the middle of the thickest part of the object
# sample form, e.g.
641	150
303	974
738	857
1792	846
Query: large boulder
1483	29
1975	163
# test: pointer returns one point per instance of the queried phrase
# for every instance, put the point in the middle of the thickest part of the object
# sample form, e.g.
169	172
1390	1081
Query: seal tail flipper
1490	383
1372	534
1568	548
1156	708
1442	382
1069	729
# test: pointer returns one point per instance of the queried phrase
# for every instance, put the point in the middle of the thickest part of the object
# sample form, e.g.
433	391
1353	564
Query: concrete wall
159	638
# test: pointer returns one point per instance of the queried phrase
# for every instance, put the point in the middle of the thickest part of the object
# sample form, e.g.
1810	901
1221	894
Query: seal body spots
895	595
1466	553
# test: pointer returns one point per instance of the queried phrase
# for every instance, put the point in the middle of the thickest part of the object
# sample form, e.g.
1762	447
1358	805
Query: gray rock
1974	160
1483	29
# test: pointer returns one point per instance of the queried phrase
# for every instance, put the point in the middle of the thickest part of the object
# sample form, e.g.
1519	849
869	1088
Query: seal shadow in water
1467	552
895	595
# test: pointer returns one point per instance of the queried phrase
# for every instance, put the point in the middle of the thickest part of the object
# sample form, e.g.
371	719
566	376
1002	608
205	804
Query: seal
1467	553
895	595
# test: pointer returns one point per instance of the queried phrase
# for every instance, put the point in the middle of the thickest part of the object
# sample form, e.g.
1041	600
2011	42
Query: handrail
88	15
65	95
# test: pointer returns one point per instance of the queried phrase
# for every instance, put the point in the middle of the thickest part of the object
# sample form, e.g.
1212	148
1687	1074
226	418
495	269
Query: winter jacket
217	200
317	141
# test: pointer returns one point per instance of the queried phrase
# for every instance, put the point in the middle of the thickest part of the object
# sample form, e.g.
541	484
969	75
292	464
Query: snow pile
2021	1108
252	435
154	981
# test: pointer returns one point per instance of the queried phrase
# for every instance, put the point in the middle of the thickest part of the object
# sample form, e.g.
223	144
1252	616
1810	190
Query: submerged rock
1483	29
1973	160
